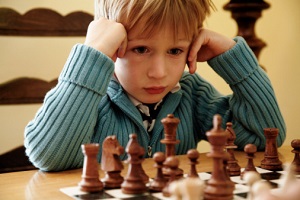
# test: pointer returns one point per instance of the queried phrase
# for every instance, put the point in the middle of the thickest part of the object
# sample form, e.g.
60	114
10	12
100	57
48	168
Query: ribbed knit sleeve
69	113
253	103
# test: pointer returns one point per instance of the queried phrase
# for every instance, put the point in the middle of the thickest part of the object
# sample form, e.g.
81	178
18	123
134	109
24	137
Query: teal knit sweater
88	104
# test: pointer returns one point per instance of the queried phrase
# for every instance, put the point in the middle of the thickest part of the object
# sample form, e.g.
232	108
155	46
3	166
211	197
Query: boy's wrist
87	67
235	64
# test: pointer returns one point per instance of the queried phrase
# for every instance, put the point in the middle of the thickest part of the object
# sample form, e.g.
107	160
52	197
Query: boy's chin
151	101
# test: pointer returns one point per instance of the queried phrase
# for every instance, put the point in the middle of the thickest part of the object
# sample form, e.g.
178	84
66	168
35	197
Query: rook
271	160
90	176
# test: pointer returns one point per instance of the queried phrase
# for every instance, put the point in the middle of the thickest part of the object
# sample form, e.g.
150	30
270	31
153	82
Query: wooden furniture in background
246	13
27	90
36	22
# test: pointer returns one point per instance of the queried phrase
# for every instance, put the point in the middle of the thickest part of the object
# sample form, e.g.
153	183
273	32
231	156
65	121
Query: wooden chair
30	90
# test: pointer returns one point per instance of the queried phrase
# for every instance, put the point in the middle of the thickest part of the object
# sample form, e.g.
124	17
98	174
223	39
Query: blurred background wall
44	57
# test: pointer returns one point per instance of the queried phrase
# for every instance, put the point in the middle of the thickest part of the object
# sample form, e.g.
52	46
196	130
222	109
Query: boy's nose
157	69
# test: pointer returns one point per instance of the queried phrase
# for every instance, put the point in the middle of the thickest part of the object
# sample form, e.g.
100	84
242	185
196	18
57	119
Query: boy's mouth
155	90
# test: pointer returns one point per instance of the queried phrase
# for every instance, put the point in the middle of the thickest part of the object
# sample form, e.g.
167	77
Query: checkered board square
240	192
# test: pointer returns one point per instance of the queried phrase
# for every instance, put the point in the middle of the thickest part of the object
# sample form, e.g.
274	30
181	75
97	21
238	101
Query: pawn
159	181
90	181
250	150
296	150
193	155
171	164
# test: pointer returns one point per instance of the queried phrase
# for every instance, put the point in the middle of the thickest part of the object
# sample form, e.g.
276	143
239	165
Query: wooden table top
36	184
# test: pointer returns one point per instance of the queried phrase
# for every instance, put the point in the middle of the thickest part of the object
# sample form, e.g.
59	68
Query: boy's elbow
50	162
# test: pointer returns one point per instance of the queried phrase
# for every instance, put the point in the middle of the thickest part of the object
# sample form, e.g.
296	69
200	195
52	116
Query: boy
129	74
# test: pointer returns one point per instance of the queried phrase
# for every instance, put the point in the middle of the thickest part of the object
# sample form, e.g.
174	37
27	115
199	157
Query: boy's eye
140	50
175	51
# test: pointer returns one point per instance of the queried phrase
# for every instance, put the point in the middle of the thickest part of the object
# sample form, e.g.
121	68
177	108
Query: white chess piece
261	190
288	186
250	178
187	189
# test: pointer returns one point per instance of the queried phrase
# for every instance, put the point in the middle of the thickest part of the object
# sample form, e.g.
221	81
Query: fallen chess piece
187	189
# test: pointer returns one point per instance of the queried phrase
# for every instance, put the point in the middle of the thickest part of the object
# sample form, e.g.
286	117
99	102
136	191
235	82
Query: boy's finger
192	65
122	48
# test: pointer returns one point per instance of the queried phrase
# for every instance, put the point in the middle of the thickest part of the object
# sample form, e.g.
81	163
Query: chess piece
193	156
187	189
271	160
250	150
233	167
134	182
288	185
218	186
250	178
111	163
159	181
171	163
261	190
170	124
90	181
296	150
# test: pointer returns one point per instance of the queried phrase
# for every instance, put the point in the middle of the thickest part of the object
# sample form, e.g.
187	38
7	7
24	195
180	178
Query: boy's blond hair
186	15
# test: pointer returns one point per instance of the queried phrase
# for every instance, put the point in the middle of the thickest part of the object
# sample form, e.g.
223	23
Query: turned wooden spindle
246	13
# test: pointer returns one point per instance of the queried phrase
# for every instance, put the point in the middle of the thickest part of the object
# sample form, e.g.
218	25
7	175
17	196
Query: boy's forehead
141	31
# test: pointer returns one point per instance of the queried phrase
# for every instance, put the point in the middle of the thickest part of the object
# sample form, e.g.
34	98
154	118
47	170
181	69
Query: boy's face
152	66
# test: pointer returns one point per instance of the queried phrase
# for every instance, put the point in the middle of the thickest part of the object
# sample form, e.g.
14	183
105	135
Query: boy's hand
107	36
206	45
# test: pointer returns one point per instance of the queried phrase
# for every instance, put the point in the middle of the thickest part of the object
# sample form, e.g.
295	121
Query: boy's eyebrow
178	40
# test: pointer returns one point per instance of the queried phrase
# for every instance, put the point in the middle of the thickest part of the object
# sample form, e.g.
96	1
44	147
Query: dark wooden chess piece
271	160
250	150
171	165
134	182
90	181
111	163
296	150
218	186
233	167
159	182
170	124
193	156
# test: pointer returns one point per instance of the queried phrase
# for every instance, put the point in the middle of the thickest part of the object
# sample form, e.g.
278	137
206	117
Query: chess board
240	192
